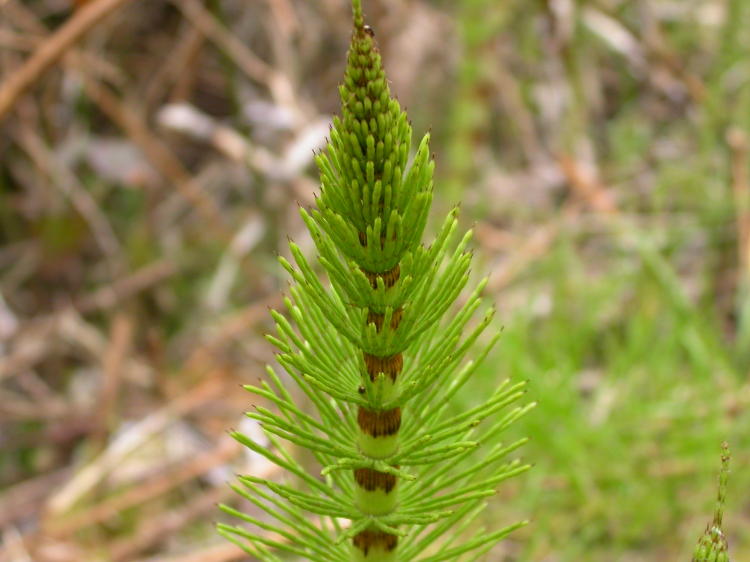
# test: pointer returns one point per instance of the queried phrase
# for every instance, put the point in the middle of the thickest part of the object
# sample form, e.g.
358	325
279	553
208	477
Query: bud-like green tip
370	202
359	20
712	546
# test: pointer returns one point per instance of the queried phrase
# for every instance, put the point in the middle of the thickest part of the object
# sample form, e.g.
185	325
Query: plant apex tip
359	20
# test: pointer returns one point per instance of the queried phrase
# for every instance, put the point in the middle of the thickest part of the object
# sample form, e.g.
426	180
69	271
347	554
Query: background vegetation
151	164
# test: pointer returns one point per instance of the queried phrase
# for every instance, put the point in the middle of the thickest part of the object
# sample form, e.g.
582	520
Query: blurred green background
150	176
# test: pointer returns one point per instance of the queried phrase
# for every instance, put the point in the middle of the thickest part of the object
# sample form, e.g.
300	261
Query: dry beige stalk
53	49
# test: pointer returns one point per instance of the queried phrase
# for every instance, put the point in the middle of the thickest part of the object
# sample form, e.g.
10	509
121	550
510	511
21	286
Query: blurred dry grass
152	157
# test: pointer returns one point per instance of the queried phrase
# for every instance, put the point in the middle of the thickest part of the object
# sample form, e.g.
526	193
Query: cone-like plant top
372	210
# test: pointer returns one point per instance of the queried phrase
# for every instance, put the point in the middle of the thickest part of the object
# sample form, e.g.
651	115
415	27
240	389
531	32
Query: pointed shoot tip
359	20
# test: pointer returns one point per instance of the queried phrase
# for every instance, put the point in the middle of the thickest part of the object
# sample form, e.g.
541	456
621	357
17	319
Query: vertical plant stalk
369	119
379	361
712	546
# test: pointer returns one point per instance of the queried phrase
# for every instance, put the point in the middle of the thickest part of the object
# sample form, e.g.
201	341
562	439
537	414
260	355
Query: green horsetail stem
712	546
379	360
379	137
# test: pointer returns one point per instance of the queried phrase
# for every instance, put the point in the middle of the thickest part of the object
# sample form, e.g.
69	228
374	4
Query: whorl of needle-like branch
378	359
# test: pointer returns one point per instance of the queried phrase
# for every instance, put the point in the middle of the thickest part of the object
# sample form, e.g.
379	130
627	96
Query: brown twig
109	296
217	553
160	156
25	498
254	68
62	177
23	17
587	187
17	41
165	481
53	50
90	475
738	144
156	529
180	68
37	335
118	350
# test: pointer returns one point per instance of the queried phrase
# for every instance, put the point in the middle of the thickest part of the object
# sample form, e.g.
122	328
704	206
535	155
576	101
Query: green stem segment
376	492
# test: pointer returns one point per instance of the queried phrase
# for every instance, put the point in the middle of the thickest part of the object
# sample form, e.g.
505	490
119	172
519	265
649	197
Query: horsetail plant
712	546
379	359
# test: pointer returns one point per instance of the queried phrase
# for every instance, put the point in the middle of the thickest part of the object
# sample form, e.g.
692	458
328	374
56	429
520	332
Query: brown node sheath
377	319
368	539
381	423
391	366
371	480
389	277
